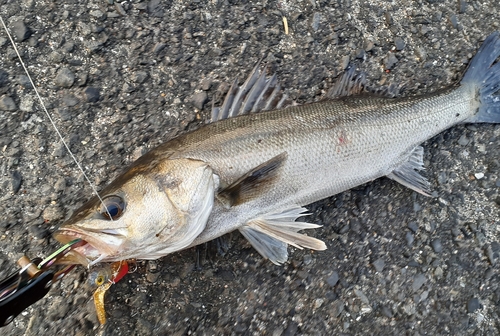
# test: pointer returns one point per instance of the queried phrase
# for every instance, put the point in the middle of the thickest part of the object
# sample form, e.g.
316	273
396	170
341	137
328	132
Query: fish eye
115	206
99	280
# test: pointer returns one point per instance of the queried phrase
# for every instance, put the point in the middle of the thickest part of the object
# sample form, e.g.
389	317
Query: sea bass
255	172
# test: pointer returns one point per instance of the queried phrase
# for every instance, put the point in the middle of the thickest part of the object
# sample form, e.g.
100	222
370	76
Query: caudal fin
484	73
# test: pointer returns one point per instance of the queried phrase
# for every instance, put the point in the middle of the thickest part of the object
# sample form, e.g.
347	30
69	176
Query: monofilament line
51	120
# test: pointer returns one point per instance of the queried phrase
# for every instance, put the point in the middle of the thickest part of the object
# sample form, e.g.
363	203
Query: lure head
155	208
106	272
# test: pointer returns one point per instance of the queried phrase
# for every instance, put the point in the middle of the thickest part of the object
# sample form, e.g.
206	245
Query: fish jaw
99	245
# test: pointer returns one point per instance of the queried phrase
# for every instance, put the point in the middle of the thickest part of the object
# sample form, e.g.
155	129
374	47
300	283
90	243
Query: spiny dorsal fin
258	93
253	183
271	234
407	173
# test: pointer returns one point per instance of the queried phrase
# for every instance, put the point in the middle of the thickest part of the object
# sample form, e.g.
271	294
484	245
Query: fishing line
94	190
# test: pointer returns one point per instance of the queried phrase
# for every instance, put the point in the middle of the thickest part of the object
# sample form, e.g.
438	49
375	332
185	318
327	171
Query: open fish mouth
98	245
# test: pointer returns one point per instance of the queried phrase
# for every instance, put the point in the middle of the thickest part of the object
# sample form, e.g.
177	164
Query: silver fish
255	172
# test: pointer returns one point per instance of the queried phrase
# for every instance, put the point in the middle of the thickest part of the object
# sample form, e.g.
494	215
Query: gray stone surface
145	93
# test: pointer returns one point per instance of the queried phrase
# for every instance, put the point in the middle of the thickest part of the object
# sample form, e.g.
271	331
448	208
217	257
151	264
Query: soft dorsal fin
353	83
253	183
350	83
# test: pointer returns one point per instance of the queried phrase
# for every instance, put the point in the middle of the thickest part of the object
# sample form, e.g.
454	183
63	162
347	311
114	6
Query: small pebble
387	311
463	141
369	45
361	296
399	43
388	18
413	263
159	47
421	54
361	54
438	15
315	21
289	331
409	238
473	305
119	9
52	213
379	265
97	13
418	282
152	277
490	254
206	83
20	31
24	81
337	308
92	94
15	181
140	77
490	272
390	61
65	78
4	78
333	279
462	6
413	226
454	21
478	176
345	62
7	103
307	259
437	246
70	100
199	99
442	178
318	303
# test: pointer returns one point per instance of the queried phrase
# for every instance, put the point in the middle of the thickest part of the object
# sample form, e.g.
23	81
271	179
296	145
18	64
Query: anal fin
407	173
271	234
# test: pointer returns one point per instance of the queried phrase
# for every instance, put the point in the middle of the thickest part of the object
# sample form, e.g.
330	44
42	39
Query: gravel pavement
120	78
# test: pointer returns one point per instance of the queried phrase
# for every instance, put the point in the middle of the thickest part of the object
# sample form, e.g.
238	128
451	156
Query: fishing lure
104	276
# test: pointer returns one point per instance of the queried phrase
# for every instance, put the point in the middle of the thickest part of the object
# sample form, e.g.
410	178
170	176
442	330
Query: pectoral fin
253	183
407	174
271	234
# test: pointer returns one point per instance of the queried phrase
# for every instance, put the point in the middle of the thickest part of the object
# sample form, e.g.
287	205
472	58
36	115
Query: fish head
153	209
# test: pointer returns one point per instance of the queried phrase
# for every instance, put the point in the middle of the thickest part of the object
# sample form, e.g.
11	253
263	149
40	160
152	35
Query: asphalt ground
120	78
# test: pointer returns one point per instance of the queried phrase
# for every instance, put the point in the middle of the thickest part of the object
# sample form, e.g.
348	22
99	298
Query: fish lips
100	244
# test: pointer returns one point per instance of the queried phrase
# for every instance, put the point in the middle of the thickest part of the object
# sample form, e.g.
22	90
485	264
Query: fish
256	171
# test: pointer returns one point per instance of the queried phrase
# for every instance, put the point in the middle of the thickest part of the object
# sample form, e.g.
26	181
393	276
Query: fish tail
484	75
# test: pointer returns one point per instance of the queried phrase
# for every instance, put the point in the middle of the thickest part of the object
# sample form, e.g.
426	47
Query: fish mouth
99	246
